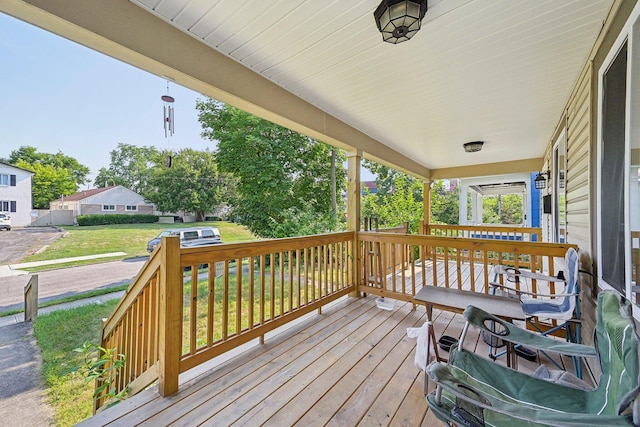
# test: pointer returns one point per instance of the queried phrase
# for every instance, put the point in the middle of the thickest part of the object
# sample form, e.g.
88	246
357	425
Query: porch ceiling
499	71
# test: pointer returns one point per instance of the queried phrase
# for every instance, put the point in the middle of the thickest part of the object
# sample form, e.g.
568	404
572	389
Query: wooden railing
175	315
492	232
451	262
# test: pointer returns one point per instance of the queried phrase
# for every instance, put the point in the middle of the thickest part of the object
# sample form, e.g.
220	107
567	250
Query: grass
58	333
76	297
128	238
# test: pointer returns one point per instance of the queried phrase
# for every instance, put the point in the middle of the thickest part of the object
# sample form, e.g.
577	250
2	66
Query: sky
57	95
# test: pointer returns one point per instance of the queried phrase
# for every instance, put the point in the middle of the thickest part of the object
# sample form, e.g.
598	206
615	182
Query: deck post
31	299
426	205
170	322
354	159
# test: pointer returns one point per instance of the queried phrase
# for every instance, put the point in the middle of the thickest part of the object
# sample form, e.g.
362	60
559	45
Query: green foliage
386	178
102	365
93	219
445	203
49	182
403	204
283	177
58	161
502	209
129	167
192	183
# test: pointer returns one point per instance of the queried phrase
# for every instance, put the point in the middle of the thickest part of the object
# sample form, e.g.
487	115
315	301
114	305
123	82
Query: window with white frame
619	161
108	207
7	206
131	208
4	179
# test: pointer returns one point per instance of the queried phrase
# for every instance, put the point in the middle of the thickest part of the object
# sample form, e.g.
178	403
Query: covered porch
481	72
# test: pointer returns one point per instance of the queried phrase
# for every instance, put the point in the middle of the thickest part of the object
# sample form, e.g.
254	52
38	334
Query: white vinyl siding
578	155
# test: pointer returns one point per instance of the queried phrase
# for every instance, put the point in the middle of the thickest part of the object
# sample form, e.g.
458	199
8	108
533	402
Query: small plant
103	369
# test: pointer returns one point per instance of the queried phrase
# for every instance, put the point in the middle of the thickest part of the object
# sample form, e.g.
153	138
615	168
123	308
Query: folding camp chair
563	307
474	391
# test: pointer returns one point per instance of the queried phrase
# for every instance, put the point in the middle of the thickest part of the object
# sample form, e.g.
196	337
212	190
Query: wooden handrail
493	232
253	288
448	261
175	315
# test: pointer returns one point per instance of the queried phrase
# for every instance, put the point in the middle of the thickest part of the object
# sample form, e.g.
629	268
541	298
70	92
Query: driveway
21	242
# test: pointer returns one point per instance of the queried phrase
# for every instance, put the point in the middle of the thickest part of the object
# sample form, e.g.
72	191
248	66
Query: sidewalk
15	269
101	299
22	397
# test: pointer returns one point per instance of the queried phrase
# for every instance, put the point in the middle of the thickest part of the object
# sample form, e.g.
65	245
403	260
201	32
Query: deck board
351	365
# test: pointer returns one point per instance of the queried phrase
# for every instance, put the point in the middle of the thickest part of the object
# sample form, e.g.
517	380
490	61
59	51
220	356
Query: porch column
354	158
426	205
476	208
170	319
463	214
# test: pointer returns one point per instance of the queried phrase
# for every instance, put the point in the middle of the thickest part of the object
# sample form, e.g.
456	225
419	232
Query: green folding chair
475	391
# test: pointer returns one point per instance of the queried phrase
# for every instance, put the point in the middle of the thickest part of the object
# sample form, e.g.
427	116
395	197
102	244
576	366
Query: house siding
581	121
578	180
19	194
90	209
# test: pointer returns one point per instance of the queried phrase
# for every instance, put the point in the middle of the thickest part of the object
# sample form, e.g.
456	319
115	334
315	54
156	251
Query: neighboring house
107	200
368	185
15	194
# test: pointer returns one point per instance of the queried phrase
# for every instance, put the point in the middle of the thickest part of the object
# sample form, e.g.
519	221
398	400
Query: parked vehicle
189	237
5	222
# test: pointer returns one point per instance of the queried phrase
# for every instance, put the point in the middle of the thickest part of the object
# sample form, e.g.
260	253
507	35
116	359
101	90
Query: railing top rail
496	227
261	247
517	246
134	289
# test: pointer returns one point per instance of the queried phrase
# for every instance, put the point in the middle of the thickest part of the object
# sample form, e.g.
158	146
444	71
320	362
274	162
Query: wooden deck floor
351	365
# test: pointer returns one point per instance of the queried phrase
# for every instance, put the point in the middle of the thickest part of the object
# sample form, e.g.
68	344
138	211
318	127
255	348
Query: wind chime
168	118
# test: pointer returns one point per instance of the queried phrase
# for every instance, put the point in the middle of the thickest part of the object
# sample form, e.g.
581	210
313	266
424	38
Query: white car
5	222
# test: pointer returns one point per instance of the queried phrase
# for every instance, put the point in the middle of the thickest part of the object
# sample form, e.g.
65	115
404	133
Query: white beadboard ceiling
499	71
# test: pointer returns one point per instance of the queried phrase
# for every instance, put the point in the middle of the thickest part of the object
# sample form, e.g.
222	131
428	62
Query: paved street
69	281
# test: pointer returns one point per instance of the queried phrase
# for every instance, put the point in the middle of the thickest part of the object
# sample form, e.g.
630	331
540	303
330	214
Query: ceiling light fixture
399	20
474	146
541	181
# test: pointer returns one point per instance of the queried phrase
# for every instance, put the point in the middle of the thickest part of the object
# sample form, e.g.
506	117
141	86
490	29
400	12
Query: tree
31	156
130	166
48	183
502	209
192	183
445	203
386	178
283	177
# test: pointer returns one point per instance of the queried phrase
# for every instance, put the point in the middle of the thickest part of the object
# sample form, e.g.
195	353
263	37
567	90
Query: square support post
354	159
426	205
170	323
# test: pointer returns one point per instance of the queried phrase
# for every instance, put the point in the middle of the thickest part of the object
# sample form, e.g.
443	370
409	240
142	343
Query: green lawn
128	238
58	333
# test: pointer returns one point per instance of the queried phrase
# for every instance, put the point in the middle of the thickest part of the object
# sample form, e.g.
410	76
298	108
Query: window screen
612	172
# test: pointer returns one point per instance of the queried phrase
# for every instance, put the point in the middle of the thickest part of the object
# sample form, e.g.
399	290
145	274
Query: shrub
116	219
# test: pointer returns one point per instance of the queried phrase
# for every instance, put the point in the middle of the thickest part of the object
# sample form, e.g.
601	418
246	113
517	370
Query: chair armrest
519	292
457	383
513	272
483	320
